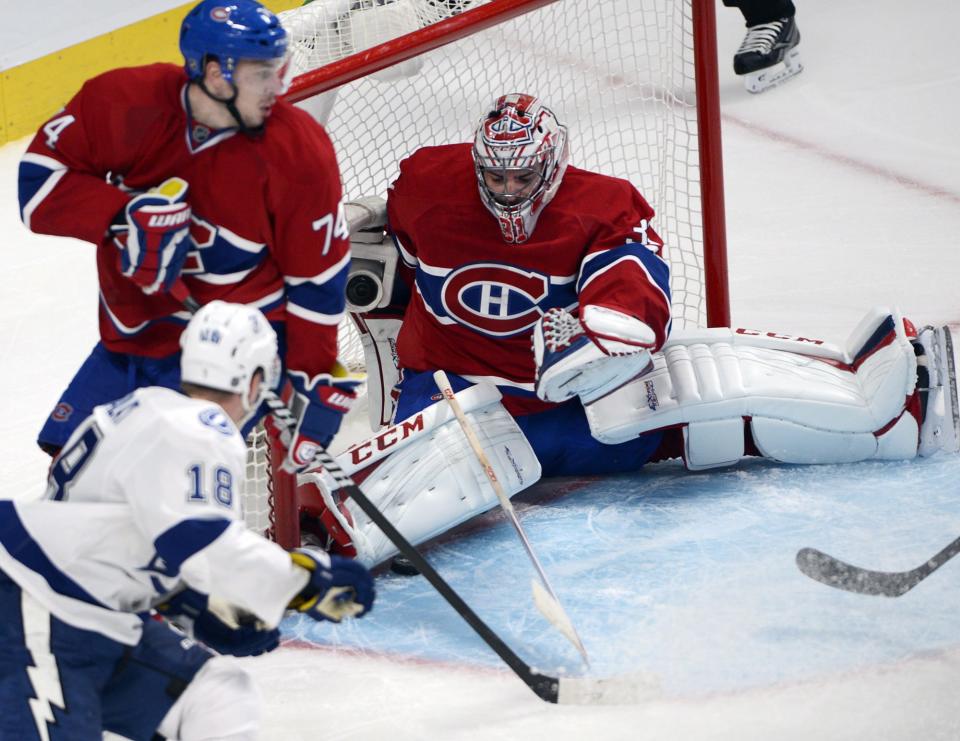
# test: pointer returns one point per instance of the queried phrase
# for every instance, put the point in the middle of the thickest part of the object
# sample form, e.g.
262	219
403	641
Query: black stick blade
833	572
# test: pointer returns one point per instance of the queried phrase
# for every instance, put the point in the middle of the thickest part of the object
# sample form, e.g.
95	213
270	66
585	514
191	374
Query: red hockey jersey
476	299
267	227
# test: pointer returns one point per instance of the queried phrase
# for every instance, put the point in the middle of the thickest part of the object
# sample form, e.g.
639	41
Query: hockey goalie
541	290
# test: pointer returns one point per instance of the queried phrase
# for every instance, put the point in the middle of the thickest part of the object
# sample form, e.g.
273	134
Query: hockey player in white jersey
142	511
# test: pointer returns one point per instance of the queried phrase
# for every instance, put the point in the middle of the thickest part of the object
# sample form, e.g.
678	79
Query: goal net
633	80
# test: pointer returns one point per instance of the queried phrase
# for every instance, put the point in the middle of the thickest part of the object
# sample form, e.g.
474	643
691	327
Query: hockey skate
768	55
937	380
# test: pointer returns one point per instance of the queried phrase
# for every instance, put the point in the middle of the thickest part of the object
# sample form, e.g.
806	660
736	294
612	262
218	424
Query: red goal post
635	81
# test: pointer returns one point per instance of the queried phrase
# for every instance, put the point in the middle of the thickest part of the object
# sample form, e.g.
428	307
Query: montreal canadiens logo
509	127
62	412
498	300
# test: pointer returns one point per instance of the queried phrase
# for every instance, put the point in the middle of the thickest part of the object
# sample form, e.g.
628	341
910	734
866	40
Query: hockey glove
218	625
317	406
338	587
153	236
591	358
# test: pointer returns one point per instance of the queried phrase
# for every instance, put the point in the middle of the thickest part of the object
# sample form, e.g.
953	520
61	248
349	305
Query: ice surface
843	190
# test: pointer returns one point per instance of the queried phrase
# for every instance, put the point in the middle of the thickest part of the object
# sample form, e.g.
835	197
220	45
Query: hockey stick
564	690
836	573
543	596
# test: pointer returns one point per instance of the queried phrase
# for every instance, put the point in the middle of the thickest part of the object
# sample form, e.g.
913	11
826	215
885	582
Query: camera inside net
373	267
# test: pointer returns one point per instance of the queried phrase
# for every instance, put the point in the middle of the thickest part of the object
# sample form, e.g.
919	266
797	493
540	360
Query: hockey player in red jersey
198	181
560	238
541	291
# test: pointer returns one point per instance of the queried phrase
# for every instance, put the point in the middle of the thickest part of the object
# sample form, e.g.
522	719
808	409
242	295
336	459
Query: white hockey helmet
519	136
224	345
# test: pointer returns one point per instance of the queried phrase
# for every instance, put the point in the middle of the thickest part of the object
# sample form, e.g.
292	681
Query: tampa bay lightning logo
497	300
217	420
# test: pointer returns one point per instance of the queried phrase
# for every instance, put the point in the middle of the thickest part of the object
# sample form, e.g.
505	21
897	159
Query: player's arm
187	505
62	179
623	313
63	190
400	206
311	247
623	271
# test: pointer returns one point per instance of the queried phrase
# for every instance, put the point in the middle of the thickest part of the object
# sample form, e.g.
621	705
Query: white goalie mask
520	153
223	347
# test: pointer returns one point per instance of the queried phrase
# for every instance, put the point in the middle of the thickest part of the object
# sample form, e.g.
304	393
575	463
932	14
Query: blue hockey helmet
230	30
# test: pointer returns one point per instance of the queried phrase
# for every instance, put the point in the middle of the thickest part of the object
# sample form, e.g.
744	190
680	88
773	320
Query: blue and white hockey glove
338	587
153	236
317	405
589	357
218	625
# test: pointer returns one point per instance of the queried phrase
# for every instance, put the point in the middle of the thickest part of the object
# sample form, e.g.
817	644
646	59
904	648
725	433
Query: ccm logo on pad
386	439
777	336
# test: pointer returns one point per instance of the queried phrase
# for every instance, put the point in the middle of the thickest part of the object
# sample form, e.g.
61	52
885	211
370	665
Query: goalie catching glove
338	587
218	625
588	357
317	406
153	235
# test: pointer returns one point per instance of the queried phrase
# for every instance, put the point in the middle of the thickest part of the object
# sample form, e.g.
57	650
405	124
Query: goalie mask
520	153
223	347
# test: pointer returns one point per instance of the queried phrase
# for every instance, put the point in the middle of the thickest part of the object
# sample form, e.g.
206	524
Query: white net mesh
618	73
257	490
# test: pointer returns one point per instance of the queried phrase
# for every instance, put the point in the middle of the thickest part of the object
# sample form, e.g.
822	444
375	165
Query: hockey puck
403	566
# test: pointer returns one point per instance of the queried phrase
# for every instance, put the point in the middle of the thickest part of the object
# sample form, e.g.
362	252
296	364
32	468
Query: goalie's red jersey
476	299
267	222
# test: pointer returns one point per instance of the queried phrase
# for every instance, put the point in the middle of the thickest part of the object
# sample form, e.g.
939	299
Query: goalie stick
836	573
543	596
626	690
562	690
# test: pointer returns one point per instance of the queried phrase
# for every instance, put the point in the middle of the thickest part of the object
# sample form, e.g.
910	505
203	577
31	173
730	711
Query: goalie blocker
889	393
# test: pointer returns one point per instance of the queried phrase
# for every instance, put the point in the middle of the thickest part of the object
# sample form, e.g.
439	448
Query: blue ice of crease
688	576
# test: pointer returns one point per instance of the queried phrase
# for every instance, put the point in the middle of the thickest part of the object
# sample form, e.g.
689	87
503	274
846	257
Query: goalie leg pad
713	443
378	337
847	405
435	482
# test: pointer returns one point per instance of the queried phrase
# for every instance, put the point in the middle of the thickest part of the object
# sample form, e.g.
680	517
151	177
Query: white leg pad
378	337
806	401
713	443
432	481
